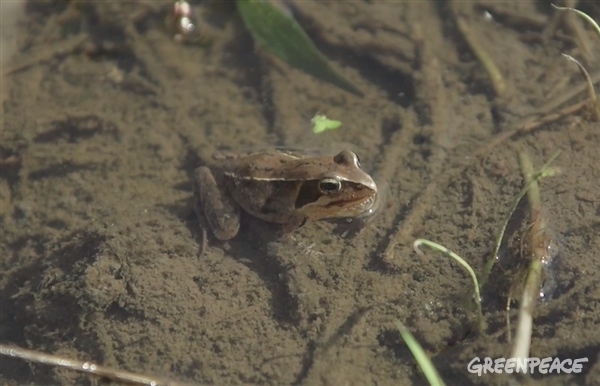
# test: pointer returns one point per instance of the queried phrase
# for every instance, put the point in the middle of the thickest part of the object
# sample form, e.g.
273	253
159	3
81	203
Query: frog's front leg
217	205
293	224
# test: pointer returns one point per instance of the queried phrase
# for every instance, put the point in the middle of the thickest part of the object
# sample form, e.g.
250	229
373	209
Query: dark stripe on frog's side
309	193
271	202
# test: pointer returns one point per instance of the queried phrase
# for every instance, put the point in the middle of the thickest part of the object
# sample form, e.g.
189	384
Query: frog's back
257	184
260	166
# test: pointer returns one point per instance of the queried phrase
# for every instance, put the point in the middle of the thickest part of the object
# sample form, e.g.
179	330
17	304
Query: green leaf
322	123
282	35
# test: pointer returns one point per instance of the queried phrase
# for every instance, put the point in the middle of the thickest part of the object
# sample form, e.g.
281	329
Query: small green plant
433	377
545	171
420	356
321	123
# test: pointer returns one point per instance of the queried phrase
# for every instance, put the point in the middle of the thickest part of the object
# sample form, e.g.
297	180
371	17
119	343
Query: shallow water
105	118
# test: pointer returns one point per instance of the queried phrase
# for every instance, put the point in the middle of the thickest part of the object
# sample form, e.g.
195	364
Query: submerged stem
545	171
539	247
479	51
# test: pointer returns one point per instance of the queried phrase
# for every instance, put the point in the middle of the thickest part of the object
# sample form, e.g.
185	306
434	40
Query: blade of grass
595	107
459	260
582	14
479	49
590	87
433	377
284	37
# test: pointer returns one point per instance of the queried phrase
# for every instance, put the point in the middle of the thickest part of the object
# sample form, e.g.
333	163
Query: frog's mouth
324	207
351	208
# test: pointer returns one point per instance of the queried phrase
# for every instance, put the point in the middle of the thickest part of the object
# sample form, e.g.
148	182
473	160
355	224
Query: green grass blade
582	14
440	248
282	35
421	357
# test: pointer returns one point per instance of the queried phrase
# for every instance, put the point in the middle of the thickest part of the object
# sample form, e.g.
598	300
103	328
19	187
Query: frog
282	187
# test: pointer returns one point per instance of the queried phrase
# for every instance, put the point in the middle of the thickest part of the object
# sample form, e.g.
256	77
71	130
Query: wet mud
105	117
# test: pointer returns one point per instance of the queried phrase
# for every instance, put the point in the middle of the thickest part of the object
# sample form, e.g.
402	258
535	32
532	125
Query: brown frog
282	187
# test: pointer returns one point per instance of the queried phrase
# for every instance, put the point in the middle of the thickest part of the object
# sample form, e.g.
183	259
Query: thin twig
507	14
566	96
528	124
86	367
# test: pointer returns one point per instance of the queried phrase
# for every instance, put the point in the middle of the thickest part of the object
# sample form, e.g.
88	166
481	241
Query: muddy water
105	118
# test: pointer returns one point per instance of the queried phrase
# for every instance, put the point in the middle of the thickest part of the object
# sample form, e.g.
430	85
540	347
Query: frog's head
342	190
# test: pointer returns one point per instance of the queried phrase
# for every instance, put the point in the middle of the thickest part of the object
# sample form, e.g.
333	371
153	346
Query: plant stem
538	253
479	51
545	171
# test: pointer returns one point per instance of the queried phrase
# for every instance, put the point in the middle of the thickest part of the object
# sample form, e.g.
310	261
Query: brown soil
105	117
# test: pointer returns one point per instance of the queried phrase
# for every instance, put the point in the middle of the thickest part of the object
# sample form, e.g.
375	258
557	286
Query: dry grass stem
86	367
566	96
590	88
576	30
531	183
582	14
479	51
527	125
539	251
505	13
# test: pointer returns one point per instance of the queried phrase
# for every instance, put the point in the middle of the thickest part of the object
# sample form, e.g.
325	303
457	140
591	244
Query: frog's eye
330	185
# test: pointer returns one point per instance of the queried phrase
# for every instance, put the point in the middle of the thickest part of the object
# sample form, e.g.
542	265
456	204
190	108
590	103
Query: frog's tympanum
282	187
